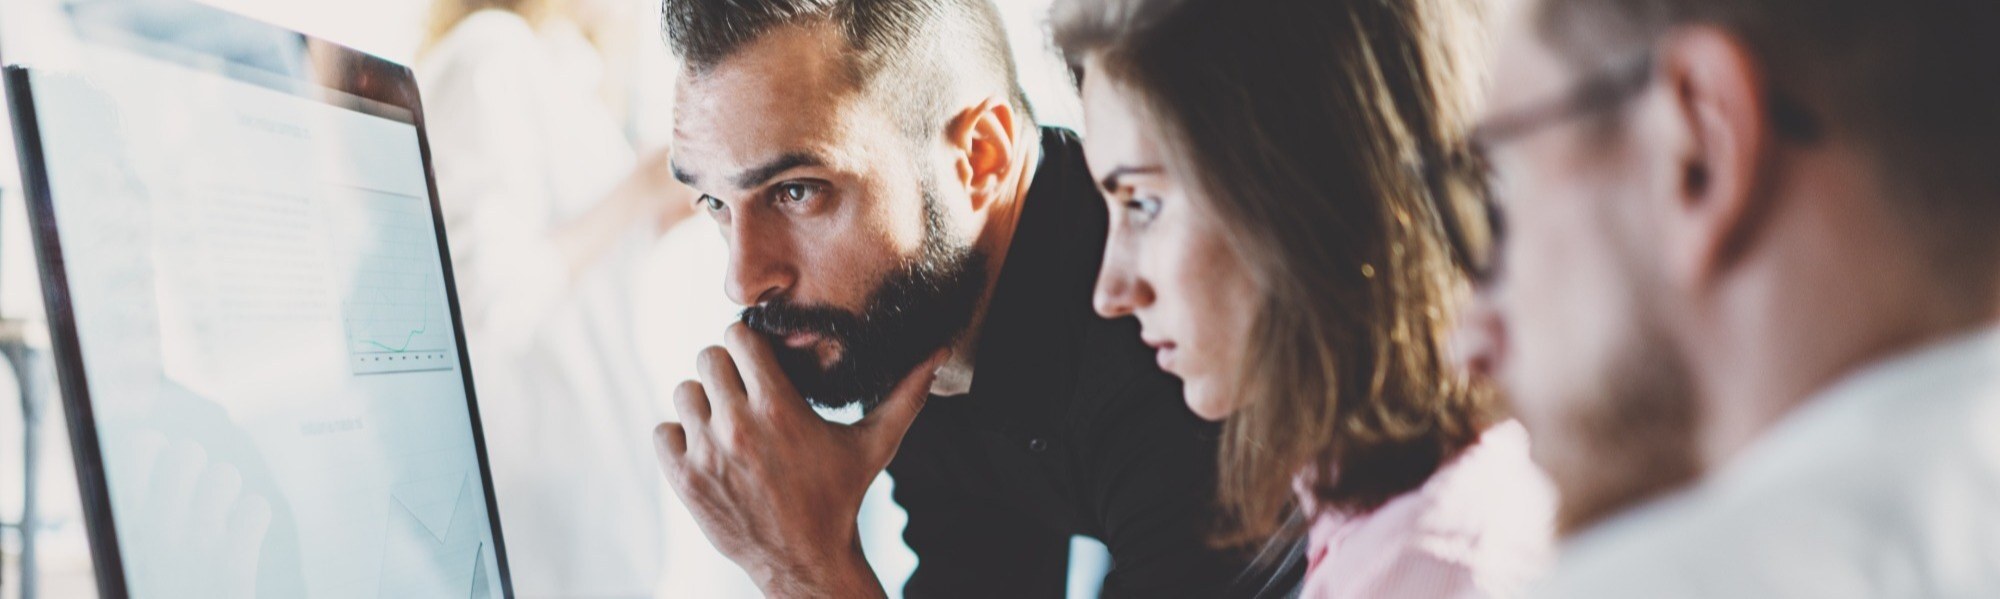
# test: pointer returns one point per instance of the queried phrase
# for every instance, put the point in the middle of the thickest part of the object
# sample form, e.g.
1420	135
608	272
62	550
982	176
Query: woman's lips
1163	353
1163	350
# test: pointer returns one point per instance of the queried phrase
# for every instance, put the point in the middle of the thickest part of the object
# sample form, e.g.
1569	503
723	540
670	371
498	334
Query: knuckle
681	479
676	466
737	439
697	462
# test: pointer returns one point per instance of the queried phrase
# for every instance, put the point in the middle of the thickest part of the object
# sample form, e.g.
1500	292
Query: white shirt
520	146
1885	485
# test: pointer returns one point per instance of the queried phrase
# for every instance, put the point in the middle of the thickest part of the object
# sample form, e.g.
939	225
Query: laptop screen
253	308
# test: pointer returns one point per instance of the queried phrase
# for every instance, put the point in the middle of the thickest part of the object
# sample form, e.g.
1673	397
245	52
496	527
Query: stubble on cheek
1629	443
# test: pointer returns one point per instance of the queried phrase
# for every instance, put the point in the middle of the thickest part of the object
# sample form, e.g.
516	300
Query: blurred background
542	114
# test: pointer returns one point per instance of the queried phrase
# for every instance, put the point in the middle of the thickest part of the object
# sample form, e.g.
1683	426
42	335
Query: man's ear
1720	90
983	140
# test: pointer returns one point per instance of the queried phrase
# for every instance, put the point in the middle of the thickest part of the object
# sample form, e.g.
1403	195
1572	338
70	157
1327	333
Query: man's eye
1142	210
796	192
709	202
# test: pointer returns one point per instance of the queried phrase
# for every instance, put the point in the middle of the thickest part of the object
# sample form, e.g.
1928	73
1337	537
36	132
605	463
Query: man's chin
843	388
1616	456
828	388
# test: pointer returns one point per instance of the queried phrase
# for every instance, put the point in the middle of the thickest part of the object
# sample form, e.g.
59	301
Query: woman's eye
710	203
795	193
1142	209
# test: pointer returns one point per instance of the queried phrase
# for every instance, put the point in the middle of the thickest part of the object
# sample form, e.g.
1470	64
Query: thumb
884	427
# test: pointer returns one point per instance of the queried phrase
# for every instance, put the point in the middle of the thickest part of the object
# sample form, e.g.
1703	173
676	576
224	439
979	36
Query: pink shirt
1482	526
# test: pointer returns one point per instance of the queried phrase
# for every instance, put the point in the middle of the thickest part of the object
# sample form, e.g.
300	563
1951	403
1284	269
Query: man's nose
759	263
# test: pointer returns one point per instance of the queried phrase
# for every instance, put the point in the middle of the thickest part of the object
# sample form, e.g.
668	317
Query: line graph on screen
397	320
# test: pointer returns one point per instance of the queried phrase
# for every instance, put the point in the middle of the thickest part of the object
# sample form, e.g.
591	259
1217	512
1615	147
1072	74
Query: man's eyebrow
684	177
755	177
1110	182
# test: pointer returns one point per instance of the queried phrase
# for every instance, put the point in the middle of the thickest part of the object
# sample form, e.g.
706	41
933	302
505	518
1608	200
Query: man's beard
923	305
1632	443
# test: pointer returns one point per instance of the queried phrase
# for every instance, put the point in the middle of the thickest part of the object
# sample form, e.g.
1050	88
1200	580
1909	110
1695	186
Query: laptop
252	311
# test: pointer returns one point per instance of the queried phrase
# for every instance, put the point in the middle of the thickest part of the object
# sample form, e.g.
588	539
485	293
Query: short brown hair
1303	124
1916	82
906	50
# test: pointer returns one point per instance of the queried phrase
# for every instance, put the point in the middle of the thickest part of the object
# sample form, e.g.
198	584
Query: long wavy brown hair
1306	127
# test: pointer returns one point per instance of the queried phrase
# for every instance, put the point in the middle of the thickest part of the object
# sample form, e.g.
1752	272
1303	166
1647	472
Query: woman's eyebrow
1110	182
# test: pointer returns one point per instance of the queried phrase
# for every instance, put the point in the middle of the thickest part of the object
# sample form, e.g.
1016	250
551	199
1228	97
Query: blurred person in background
1750	245
1288	263
550	213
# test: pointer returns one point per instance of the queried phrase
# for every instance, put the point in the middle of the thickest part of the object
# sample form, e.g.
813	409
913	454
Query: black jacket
1070	429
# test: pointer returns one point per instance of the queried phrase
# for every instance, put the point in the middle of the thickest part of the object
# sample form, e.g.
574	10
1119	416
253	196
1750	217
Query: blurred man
1752	244
899	227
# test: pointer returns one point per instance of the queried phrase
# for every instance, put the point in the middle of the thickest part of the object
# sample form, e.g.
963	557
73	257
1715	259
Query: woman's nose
1118	293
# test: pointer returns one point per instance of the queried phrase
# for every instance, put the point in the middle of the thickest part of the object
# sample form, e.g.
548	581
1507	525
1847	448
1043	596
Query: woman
551	216
1274	234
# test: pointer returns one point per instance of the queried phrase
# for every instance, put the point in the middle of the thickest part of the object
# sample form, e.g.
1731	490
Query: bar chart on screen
396	316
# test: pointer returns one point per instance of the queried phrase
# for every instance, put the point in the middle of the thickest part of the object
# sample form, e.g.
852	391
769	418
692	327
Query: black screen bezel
363	76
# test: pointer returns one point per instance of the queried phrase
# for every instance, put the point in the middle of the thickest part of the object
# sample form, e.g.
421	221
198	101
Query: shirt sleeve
492	181
967	545
1153	482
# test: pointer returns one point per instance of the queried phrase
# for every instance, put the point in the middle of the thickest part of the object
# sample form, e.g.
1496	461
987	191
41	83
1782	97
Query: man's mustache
780	319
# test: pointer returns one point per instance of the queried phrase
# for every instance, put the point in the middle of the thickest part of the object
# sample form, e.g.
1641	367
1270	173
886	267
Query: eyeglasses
1463	172
1461	175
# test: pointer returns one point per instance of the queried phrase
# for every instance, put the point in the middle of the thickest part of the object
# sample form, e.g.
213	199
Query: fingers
671	443
884	428
721	380
691	404
767	385
670	438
